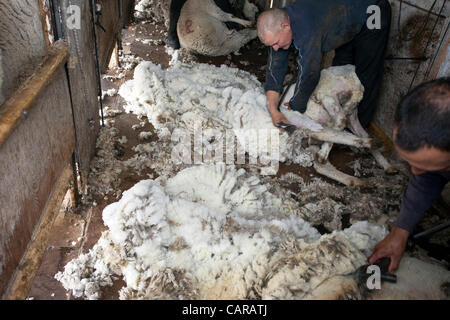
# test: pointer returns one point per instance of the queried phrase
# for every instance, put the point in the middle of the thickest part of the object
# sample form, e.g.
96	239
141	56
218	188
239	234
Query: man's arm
422	190
420	194
277	63
308	61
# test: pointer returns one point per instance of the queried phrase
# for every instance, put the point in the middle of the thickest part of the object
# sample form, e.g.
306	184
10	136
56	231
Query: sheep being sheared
201	28
333	105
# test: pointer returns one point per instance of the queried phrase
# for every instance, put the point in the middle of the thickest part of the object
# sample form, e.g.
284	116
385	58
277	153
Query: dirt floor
76	231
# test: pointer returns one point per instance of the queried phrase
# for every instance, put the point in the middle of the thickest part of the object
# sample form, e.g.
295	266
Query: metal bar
432	230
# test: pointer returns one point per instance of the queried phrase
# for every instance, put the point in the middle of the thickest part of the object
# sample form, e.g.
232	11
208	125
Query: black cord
421	28
97	64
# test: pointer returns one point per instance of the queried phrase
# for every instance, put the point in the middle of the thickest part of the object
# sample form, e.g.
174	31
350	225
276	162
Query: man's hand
277	117
392	246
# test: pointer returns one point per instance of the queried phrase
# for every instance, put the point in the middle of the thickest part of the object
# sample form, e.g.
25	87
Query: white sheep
331	108
201	28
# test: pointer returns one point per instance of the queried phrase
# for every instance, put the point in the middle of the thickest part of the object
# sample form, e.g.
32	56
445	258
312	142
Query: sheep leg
341	137
324	152
334	110
236	39
329	171
213	10
356	128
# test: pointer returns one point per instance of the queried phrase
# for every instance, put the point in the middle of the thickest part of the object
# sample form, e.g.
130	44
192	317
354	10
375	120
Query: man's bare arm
272	100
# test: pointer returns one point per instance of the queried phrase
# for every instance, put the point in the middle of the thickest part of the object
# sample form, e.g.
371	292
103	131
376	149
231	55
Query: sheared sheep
331	108
201	28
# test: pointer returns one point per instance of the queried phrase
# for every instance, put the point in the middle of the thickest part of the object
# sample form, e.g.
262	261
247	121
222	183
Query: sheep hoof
321	159
391	171
360	184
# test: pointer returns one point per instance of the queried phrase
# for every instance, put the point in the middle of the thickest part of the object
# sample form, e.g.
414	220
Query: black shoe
171	42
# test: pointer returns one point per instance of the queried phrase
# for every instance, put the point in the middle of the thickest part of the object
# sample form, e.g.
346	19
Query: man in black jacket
315	27
422	138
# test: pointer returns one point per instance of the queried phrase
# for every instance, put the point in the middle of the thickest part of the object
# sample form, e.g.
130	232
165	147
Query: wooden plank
111	22
16	107
440	59
113	19
375	130
22	44
32	159
84	85
23	279
46	20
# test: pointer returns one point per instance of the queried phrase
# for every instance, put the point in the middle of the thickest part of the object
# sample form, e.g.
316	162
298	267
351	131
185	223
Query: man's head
422	127
274	29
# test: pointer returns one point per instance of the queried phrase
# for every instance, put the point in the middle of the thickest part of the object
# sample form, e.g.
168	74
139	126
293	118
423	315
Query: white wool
155	10
250	10
145	135
219	98
206	226
361	235
110	92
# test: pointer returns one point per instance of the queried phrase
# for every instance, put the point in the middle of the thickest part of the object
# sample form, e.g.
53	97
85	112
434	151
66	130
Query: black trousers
366	51
175	9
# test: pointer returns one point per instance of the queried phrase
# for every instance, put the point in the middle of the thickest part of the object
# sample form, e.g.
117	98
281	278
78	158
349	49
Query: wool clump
188	237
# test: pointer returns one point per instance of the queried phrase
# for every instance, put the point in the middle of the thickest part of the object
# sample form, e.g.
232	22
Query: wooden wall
112	12
83	82
63	119
22	44
32	160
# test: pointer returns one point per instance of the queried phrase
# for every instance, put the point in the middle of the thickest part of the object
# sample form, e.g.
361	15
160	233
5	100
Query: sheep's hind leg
237	39
215	11
341	137
328	170
356	128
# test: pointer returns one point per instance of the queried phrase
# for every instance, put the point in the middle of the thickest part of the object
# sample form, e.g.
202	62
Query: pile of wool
127	60
153	10
204	97
210	226
329	204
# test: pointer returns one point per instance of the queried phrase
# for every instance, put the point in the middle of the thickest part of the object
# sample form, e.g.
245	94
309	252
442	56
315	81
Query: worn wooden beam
380	134
17	105
439	59
46	22
22	280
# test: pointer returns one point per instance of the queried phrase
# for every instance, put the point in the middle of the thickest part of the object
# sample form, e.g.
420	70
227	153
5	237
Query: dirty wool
211	100
192	235
197	228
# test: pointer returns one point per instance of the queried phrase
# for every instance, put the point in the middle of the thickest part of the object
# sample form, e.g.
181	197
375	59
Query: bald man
315	27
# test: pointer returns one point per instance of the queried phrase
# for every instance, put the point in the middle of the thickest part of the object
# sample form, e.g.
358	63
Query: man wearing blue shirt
315	27
422	138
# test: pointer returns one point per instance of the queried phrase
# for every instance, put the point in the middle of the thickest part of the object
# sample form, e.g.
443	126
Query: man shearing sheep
422	138
315	27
